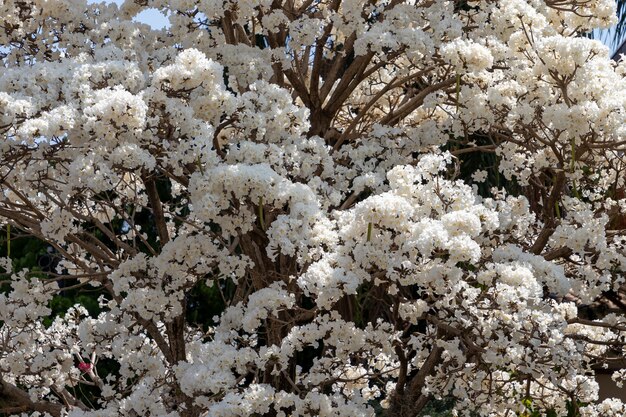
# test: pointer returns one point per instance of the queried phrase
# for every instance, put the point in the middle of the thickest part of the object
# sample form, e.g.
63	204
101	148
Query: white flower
479	176
467	56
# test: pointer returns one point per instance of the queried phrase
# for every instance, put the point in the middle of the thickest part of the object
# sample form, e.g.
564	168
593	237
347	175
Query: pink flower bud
84	366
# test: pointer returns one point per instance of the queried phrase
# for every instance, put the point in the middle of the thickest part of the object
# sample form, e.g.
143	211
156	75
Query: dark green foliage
438	408
204	303
25	251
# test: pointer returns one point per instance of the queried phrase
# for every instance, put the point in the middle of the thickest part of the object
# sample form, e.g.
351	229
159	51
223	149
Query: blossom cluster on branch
397	200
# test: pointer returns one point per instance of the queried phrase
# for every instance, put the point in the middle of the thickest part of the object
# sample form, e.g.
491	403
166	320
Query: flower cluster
312	208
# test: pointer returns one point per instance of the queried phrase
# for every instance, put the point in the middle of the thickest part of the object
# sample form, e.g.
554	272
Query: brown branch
414	400
157	209
562	252
13	393
586	322
350	79
548	209
394	117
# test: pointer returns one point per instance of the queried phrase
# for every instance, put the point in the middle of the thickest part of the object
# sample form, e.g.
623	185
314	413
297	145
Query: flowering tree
321	164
